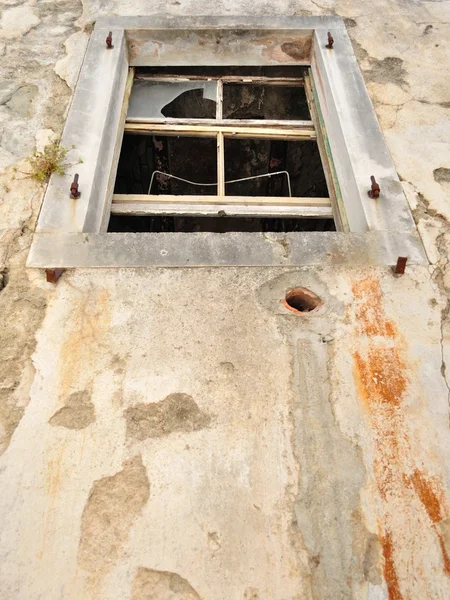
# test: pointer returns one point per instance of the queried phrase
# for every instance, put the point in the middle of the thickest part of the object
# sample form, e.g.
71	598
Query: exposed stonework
77	413
113	505
69	66
176	413
161	585
18	20
21	100
22	309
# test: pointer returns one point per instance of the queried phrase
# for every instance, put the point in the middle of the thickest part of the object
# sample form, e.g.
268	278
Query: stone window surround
72	233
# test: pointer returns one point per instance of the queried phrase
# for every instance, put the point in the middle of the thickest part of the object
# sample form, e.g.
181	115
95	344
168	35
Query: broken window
222	150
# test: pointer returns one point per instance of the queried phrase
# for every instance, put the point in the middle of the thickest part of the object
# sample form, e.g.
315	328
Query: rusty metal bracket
53	274
109	44
74	193
330	41
374	192
399	268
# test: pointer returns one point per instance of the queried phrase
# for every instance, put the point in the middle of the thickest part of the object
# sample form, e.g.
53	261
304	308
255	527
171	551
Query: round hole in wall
302	301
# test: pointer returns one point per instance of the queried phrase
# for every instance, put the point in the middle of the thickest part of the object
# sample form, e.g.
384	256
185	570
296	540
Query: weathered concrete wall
177	433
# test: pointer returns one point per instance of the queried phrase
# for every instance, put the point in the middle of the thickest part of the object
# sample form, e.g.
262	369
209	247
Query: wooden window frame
220	129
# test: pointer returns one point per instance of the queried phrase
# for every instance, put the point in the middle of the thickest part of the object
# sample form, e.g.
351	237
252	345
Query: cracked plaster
125	334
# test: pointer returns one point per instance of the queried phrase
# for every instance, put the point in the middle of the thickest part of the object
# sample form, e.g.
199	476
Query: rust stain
297	50
54	473
390	573
91	319
445	556
286	50
381	374
370	312
53	480
430	493
134	48
427	495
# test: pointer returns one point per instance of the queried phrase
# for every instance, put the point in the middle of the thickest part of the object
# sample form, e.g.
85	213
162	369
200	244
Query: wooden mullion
219	107
220	164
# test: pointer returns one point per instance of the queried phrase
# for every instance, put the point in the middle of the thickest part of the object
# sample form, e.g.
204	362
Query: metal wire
231	181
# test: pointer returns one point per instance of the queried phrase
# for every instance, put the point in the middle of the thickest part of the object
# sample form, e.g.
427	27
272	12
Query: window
253	123
220	149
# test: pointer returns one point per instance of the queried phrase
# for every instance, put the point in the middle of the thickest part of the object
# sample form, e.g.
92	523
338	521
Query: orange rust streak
382	382
427	496
390	573
445	556
432	504
369	312
380	373
381	376
91	320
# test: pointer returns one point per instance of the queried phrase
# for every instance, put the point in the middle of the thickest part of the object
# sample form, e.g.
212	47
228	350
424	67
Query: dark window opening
219	224
246	101
190	158
212	71
295	167
298	164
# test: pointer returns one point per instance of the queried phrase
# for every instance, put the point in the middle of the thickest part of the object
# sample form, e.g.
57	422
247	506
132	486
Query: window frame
220	128
72	233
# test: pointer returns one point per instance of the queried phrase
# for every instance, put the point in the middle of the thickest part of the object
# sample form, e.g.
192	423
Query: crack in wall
423	212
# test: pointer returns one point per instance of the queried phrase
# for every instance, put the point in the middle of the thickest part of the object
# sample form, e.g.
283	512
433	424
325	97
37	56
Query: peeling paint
176	413
161	585
77	413
113	504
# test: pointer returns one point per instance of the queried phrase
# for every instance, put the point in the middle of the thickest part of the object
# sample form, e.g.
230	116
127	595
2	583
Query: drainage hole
302	300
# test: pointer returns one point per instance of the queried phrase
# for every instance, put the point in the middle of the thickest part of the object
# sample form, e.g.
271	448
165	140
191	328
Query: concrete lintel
253	23
52	250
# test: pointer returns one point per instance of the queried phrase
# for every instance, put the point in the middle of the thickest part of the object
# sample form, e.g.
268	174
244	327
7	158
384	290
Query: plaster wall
176	433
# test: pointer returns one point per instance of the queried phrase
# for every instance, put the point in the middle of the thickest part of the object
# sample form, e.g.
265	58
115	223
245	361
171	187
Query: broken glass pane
179	99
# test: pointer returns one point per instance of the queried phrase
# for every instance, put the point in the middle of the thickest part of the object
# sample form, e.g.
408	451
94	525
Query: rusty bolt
374	192
74	193
330	41
53	274
399	268
109	41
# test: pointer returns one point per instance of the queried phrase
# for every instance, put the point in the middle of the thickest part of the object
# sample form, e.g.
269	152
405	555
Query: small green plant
51	160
